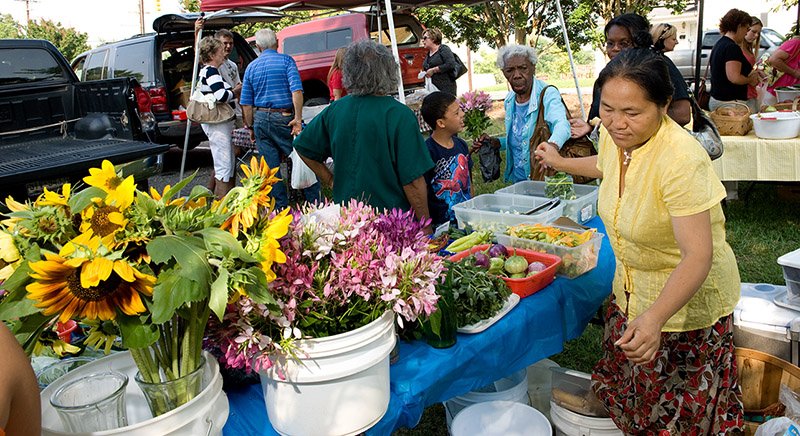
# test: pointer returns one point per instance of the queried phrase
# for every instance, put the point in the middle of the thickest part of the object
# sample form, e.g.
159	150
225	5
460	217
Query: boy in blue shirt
449	182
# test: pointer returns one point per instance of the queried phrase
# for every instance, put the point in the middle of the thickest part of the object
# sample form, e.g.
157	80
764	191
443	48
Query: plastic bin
581	209
790	262
528	285
574	260
501	418
764	321
511	388
572	390
495	212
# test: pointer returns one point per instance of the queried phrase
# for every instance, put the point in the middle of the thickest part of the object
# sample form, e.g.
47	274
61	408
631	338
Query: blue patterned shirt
270	80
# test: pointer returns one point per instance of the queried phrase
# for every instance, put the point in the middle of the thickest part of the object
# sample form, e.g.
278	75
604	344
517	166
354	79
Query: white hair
509	51
266	39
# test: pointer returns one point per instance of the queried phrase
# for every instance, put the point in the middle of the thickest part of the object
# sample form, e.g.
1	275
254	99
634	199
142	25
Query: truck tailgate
31	161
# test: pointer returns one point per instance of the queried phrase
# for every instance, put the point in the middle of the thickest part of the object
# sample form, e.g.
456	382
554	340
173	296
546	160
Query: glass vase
168	395
91	403
439	329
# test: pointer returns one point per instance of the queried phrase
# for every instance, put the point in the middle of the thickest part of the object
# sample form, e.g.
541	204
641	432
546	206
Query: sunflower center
47	224
93	293
100	223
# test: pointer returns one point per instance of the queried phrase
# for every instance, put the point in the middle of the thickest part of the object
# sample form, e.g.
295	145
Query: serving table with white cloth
749	158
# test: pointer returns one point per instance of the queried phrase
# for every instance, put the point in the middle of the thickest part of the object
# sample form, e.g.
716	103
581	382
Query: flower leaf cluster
345	266
475	104
151	266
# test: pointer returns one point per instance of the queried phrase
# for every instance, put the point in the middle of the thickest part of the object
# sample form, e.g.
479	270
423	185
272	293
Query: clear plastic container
496	212
790	262
572	390
581	209
574	260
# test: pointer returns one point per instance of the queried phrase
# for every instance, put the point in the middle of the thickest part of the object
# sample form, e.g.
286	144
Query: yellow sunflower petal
124	270
95	271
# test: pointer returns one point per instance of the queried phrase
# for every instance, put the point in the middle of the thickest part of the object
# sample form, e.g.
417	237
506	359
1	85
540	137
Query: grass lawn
761	226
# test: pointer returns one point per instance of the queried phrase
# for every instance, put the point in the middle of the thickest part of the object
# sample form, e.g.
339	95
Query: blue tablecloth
535	329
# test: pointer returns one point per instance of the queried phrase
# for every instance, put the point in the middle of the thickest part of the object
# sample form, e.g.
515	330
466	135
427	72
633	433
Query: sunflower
157	196
104	221
88	288
50	198
119	191
244	202
269	247
102	334
14	206
50	340
9	256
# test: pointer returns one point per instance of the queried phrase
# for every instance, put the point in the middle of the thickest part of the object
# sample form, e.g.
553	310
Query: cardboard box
181	93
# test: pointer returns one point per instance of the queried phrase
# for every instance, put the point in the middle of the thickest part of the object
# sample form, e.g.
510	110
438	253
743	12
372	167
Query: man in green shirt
380	156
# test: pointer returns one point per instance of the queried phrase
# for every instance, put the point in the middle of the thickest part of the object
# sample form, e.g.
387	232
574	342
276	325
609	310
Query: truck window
710	38
97	65
404	34
28	65
318	41
77	66
134	60
774	37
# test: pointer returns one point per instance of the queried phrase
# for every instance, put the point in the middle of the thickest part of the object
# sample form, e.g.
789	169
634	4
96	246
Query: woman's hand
548	155
237	90
430	72
641	339
579	127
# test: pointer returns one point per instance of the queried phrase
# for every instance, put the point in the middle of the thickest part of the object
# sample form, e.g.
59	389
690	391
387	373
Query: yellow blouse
670	175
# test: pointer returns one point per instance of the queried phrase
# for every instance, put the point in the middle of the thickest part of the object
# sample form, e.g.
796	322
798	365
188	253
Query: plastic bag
429	86
302	176
781	426
490	162
559	185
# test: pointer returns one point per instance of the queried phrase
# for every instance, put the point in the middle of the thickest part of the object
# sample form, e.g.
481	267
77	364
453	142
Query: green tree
69	41
191	5
9	28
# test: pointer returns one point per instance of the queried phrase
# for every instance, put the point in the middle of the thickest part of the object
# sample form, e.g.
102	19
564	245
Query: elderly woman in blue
518	63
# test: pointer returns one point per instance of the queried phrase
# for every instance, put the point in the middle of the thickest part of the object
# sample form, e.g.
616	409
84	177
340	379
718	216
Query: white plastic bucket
339	386
204	414
569	423
501	418
512	388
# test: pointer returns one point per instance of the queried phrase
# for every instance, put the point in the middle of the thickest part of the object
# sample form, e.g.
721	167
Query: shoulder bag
461	69
205	109
705	131
574	147
703	97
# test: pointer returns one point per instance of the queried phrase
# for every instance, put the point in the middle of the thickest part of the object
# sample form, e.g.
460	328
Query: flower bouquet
344	267
475	104
151	266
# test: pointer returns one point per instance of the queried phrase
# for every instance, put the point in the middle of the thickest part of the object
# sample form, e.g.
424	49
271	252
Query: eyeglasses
622	45
425	37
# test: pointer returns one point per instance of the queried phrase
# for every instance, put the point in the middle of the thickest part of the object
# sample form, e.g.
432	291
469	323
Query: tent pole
698	48
571	60
378	18
390	17
194	83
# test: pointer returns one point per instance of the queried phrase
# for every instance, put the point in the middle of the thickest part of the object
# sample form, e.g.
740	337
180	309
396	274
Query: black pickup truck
53	128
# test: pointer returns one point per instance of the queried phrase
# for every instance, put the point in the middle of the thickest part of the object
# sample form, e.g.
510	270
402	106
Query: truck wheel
316	101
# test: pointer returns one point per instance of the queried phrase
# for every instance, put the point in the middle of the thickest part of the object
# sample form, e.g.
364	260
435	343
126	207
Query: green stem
186	343
173	332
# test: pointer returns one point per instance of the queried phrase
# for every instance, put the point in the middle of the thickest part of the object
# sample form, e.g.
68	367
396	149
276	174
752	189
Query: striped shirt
211	82
270	80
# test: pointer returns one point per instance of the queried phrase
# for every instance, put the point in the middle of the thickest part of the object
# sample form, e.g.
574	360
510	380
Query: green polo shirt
376	148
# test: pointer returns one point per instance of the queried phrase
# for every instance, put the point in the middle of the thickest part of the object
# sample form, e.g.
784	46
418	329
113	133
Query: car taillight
143	101
158	99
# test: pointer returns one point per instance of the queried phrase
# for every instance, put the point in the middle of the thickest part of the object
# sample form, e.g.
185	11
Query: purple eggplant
498	250
481	259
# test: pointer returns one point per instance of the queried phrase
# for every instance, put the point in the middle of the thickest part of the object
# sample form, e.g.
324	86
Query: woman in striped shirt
212	55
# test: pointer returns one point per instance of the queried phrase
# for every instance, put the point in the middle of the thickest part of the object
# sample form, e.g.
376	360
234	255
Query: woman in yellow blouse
668	359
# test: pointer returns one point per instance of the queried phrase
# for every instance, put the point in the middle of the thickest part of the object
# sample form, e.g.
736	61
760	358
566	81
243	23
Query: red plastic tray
528	285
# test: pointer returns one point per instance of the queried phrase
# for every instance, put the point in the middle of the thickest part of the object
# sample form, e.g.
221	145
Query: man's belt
275	110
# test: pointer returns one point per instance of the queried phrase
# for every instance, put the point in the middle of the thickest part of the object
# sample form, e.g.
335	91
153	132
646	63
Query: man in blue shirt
272	106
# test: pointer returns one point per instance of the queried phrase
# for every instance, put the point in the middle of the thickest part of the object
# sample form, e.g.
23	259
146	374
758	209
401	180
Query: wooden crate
761	376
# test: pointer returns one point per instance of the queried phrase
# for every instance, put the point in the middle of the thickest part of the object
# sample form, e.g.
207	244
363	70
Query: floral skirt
691	387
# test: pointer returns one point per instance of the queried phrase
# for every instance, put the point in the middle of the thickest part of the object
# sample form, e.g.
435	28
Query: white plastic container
776	125
569	423
581	209
204	414
501	418
763	320
512	388
790	262
785	94
338	386
574	260
495	212
539	384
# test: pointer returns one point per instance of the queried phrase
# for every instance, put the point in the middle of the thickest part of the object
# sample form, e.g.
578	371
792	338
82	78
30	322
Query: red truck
313	45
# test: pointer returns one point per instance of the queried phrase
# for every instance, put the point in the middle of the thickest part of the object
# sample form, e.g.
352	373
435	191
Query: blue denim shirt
555	114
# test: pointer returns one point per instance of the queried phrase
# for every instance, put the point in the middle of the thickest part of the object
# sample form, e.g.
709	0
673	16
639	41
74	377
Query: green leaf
221	242
175	190
219	294
259	290
173	289
188	251
199	191
20	278
30	328
135	333
79	201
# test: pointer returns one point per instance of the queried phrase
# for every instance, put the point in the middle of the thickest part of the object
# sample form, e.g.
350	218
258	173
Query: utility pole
141	16
28	10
